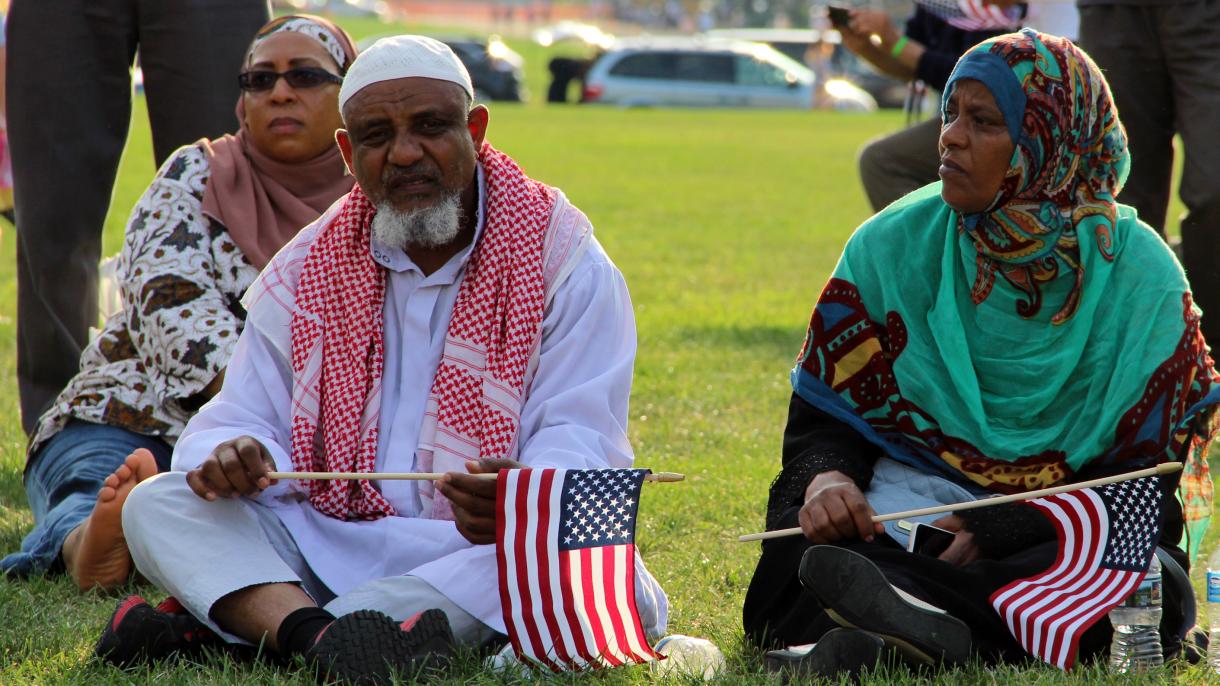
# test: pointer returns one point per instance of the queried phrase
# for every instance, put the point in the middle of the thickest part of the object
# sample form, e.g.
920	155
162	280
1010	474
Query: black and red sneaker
367	648
138	632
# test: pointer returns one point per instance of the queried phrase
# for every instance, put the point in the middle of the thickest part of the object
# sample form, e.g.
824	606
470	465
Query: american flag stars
599	508
1135	515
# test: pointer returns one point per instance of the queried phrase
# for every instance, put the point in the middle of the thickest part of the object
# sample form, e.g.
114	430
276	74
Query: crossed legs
234	566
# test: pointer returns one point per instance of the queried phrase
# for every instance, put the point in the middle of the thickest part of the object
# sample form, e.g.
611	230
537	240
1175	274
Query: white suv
698	72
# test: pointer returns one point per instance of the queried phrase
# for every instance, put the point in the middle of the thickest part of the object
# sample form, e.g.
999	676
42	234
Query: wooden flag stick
1164	468
662	477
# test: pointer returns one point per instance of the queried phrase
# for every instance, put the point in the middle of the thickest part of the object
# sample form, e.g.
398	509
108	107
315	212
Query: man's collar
396	259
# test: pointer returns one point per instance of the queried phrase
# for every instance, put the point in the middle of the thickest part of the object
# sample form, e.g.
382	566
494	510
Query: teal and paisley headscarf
1085	351
1069	161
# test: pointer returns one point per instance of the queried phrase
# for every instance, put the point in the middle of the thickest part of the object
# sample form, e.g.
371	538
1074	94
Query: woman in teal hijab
1010	328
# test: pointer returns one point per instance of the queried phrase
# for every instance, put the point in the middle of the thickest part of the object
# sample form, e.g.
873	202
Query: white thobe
574	416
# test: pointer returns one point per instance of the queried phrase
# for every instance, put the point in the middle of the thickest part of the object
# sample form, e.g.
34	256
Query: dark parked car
496	70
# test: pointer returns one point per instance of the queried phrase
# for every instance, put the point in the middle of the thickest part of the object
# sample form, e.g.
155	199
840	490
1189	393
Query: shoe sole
839	651
856	595
367	647
428	631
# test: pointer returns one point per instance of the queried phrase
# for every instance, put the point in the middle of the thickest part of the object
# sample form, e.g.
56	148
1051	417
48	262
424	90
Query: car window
706	67
645	65
752	71
681	66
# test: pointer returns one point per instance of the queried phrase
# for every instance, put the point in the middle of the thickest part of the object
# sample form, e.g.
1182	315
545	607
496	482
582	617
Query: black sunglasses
300	77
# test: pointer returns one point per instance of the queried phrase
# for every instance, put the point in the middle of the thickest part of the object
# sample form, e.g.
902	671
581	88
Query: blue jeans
62	483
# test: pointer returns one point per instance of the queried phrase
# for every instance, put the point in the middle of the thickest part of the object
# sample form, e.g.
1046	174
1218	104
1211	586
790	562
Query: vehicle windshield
765	53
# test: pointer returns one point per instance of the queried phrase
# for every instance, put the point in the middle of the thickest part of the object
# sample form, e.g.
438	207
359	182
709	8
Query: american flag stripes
1107	536
565	547
973	15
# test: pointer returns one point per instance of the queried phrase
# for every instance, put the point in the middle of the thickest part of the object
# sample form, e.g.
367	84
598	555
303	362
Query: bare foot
95	553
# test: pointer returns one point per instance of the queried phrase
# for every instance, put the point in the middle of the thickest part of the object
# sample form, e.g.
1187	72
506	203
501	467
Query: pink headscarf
262	202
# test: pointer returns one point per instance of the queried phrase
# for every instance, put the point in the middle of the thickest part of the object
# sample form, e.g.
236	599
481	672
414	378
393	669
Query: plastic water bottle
1137	626
688	656
1213	611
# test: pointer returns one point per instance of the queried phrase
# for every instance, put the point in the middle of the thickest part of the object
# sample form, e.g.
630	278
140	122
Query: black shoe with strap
367	648
856	595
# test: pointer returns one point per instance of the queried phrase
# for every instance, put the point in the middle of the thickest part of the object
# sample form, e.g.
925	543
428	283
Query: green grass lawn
726	225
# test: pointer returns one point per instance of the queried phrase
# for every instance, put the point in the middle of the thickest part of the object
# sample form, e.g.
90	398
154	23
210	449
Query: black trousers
1163	65
69	106
779	611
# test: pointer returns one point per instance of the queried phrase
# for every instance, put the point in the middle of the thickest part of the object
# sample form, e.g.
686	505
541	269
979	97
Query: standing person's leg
894	165
1191	36
1124	41
191	53
563	70
63	483
69	106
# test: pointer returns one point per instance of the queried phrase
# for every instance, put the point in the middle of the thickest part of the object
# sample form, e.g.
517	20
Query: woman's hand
836	510
963	550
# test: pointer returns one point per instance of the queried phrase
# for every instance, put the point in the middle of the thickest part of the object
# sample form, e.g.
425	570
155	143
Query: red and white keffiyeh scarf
338	354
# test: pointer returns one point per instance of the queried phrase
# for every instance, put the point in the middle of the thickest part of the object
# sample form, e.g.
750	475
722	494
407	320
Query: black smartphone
840	17
929	540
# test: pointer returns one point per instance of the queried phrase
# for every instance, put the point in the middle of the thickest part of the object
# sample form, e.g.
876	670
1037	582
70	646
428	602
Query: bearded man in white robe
449	315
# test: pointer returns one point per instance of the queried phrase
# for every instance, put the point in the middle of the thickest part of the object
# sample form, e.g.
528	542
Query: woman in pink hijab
214	215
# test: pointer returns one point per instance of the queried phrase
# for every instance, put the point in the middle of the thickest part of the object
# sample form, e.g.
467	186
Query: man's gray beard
426	227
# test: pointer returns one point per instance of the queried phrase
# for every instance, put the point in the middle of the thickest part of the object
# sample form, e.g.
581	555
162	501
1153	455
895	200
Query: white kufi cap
401	57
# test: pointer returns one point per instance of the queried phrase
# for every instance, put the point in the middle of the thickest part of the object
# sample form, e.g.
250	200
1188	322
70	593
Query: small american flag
565	547
1107	536
973	15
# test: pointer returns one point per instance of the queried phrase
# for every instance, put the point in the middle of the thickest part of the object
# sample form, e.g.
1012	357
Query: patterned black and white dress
181	278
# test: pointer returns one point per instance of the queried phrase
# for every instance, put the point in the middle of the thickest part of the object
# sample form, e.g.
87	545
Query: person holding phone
925	50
